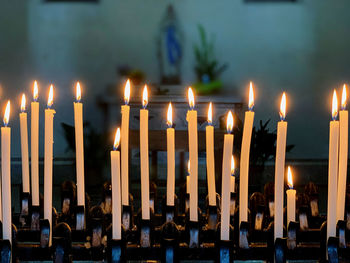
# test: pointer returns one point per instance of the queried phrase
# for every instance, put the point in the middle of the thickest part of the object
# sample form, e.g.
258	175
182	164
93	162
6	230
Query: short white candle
279	170
226	180
125	145
144	157
209	136
34	145
116	195
333	170
343	156
290	198
79	146
170	158
6	176
245	152
193	153
24	146
48	167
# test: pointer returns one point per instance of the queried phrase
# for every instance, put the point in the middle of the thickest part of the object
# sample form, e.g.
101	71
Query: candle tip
344	97
210	114
290	178
229	122
23	103
127	92
283	107
145	97
116	140
7	113
190	98
335	105
35	91
251	97
78	92
50	99
170	116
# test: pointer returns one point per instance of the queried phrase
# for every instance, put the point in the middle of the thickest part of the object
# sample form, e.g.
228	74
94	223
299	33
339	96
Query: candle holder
145	233
6	252
127	215
341	230
62	243
213	213
243	235
80	217
24	214
117	250
292	230
224	248
170	235
280	250
192	231
35	218
97	239
44	233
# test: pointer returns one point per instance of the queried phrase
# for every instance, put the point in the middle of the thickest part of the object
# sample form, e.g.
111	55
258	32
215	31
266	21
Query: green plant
207	67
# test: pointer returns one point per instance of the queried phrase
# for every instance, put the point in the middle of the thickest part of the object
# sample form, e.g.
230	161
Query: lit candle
144	157
226	180
170	132
290	198
6	176
279	169
233	179
79	146
34	145
48	151
343	156
245	152
125	145
24	146
116	195
209	132
333	169
191	118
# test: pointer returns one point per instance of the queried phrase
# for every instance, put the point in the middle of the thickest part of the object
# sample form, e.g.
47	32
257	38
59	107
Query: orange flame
116	139
35	90
50	99
190	98
229	122
343	98
145	97
210	114
290	178
78	92
283	107
335	105
251	97
127	92
170	116
23	103
7	113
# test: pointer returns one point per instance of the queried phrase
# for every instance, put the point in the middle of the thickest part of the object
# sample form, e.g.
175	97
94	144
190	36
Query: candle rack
170	236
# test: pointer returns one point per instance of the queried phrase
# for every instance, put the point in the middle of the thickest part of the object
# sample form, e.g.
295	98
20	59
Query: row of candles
338	156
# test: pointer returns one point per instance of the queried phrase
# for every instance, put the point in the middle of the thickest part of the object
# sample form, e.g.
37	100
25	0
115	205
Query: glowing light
251	97
35	91
190	98
283	107
127	92
116	139
229	122
343	98
210	114
290	178
7	113
170	116
335	105
50	99
23	103
78	92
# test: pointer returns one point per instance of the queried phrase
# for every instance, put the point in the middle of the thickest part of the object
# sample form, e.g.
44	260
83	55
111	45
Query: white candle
209	132
279	170
144	157
170	132
48	151
244	165
116	195
290	198
24	146
233	179
193	153
79	146
343	156
125	145
34	145
6	177
226	180
333	170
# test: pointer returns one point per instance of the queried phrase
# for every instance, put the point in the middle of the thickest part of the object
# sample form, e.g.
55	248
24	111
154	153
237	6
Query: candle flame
145	97
127	92
170	116
190	98
290	178
116	139
251	97
210	114
50	99
229	122
23	103
283	107
335	105
78	92
188	166
232	165
35	90
7	113
343	97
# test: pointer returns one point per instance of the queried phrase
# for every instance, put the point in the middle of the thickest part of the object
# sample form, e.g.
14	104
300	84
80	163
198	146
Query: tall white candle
144	157
209	132
6	176
343	156
193	153
244	162
79	146
116	195
24	146
170	158
226	180
48	151
333	169
125	145
290	198
233	179
279	170
34	145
